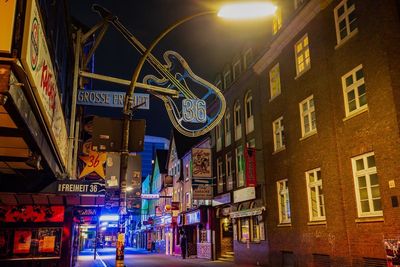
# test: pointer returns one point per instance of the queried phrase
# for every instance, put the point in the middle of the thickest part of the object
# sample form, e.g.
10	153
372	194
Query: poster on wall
4	241
392	249
22	241
36	213
201	160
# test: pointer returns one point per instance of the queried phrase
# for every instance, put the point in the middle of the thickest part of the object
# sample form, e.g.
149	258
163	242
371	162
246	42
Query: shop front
223	226
198	229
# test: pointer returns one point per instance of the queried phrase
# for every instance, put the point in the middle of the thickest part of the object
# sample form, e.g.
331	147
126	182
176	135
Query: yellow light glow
250	10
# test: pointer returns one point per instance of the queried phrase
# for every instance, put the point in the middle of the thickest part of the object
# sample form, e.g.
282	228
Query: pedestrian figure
183	245
153	246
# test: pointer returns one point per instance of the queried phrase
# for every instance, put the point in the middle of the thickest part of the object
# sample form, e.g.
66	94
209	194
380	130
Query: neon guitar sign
199	106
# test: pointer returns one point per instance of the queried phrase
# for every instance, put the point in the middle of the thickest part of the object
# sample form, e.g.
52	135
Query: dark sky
207	43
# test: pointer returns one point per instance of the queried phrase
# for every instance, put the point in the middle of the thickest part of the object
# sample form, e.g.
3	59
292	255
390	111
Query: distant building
151	144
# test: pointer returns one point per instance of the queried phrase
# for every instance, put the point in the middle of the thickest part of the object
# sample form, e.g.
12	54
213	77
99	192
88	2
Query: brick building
330	132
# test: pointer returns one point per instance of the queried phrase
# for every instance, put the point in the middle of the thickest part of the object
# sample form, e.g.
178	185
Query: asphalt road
142	258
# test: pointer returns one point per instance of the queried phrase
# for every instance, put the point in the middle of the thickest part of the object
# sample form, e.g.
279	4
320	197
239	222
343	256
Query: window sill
272	98
346	39
370	219
308	135
312	223
278	150
356	113
284	225
302	73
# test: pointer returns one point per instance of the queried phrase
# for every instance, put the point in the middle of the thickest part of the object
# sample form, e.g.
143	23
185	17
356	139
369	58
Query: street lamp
240	11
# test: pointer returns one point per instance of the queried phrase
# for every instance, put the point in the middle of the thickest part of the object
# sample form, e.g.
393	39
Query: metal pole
73	104
125	137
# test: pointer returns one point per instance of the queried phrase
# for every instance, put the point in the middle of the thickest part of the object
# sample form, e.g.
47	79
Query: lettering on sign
194	110
81	187
111	99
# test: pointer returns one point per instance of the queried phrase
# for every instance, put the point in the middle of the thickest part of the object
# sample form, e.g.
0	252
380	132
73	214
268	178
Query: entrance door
226	231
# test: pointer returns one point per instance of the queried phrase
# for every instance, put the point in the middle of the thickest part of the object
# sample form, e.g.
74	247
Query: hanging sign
251	175
81	187
201	158
7	25
110	99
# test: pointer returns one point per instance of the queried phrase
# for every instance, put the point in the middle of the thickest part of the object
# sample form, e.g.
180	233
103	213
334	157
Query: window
316	203
244	229
237	69
302	53
345	20
277	21
219	136
228	134
220	176
229	177
255	229
237	122
275	81
279	136
366	184
248	57
298	3
354	91
307	116
249	113
227	79
240	167
283	201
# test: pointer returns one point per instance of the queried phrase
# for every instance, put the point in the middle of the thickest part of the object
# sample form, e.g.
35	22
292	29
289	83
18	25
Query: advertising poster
22	241
201	158
49	240
25	213
4	237
392	249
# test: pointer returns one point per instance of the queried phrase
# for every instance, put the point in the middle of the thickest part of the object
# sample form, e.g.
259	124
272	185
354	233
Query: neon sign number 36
194	110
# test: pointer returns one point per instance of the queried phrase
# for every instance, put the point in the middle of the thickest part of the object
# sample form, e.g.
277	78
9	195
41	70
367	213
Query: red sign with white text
251	175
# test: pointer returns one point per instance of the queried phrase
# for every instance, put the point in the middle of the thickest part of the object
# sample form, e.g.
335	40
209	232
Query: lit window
302	53
354	91
277	21
283	201
229	178
345	20
366	184
219	136
245	229
228	134
249	113
237	69
237	122
275	81
240	166
279	136
220	175
307	116
316	203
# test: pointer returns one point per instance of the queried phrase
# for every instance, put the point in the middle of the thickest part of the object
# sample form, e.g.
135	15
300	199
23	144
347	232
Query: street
143	258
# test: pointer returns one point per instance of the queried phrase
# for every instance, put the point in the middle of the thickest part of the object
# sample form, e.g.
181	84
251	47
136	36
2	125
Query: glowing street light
244	11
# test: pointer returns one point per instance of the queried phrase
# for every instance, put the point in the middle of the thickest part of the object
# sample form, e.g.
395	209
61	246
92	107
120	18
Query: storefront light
109	218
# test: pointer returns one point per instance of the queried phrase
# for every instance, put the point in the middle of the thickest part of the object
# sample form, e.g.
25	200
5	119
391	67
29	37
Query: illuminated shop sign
192	217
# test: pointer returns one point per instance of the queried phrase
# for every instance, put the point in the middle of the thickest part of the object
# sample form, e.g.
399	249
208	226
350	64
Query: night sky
207	43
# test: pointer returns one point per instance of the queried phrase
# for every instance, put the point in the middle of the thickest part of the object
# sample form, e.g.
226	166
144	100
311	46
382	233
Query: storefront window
256	229
203	236
244	229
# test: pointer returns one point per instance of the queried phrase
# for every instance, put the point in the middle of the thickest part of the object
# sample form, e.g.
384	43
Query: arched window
249	113
228	134
237	121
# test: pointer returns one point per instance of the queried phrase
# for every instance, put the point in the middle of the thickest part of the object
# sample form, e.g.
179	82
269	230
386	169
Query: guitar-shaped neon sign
200	105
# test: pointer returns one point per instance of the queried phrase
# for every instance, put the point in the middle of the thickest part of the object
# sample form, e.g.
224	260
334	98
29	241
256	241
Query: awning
246	213
50	199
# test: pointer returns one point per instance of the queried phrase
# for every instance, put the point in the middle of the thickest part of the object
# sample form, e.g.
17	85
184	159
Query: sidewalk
86	259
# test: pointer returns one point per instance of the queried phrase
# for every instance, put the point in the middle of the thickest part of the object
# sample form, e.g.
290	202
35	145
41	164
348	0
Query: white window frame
240	179
228	131
354	87
367	172
317	203
247	58
279	135
237	69
220	176
227	79
237	121
275	81
302	55
345	16
249	117
307	116
229	173
219	136
283	201
277	21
